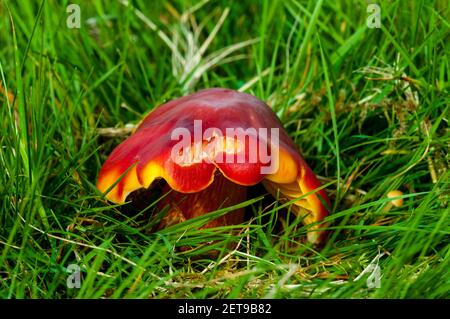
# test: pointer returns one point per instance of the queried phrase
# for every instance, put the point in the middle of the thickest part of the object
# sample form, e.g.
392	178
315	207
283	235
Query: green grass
368	108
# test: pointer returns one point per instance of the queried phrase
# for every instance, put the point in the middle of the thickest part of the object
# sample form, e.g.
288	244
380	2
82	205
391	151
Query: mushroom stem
221	193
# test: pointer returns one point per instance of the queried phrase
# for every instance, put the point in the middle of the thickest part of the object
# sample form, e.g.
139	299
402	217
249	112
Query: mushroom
209	147
397	202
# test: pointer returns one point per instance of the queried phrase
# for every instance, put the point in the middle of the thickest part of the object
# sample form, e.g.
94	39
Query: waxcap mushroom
396	193
209	180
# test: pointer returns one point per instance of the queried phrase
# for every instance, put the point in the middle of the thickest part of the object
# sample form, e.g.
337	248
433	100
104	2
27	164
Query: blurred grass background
368	108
